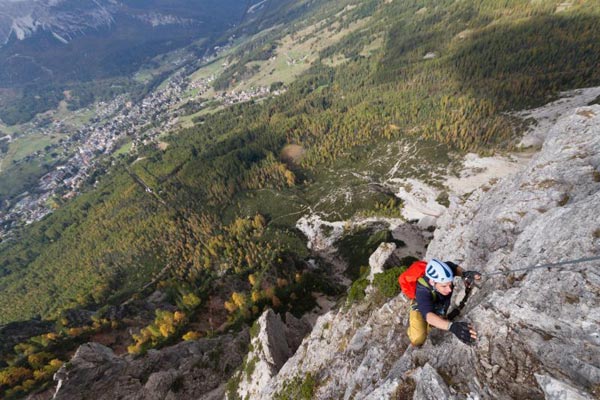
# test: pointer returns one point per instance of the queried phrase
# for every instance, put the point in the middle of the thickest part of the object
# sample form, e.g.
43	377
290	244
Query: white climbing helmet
438	271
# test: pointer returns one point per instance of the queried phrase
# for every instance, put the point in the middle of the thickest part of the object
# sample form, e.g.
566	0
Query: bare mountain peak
63	18
66	19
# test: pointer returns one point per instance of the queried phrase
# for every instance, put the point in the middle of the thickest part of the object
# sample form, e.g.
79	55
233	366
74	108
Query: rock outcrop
16	332
272	346
192	369
378	259
538	329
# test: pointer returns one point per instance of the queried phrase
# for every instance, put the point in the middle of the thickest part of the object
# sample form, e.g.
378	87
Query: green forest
213	226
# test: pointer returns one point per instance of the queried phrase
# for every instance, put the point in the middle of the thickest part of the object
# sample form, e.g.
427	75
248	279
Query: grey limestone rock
557	390
542	320
430	385
378	259
295	331
275	342
192	369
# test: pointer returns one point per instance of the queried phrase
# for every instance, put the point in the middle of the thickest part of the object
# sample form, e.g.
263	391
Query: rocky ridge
191	369
272	346
68	19
24	18
538	335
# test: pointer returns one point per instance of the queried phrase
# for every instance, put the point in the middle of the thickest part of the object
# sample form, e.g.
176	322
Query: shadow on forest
524	63
516	64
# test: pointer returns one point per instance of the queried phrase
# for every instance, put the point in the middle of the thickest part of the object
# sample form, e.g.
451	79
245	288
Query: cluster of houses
113	121
233	97
203	84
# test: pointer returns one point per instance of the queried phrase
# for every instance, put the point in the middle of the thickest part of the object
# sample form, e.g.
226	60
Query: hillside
370	105
537	336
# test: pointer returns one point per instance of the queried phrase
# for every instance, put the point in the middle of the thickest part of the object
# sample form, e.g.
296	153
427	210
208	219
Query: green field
212	68
296	53
81	117
24	146
9	129
124	149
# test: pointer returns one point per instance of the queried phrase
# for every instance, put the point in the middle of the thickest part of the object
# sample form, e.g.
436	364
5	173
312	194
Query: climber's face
444	288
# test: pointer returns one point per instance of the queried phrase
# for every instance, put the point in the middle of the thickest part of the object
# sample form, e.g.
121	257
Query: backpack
409	278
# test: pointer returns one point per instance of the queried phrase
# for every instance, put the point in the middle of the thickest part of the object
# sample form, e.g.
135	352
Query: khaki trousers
417	328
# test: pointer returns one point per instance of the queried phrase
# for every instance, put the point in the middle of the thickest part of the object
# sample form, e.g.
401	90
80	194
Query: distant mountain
65	20
66	40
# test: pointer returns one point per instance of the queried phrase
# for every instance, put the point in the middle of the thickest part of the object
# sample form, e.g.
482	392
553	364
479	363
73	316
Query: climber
432	300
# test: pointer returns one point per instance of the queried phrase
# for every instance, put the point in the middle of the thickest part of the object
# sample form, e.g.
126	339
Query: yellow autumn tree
191	335
13	375
239	299
252	279
230	306
190	301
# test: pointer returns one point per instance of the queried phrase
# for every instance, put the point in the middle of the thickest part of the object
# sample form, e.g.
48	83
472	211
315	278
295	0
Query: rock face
193	369
378	258
543	320
23	18
556	390
274	343
538	329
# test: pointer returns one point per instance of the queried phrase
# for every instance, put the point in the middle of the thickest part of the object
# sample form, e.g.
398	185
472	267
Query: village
113	124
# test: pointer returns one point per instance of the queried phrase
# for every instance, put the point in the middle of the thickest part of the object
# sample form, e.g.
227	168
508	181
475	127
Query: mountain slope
329	111
206	222
52	46
537	329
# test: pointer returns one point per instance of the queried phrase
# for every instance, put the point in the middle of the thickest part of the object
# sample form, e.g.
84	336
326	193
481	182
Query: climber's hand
470	277
464	332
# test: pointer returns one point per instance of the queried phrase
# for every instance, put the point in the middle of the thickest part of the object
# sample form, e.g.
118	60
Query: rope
551	265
